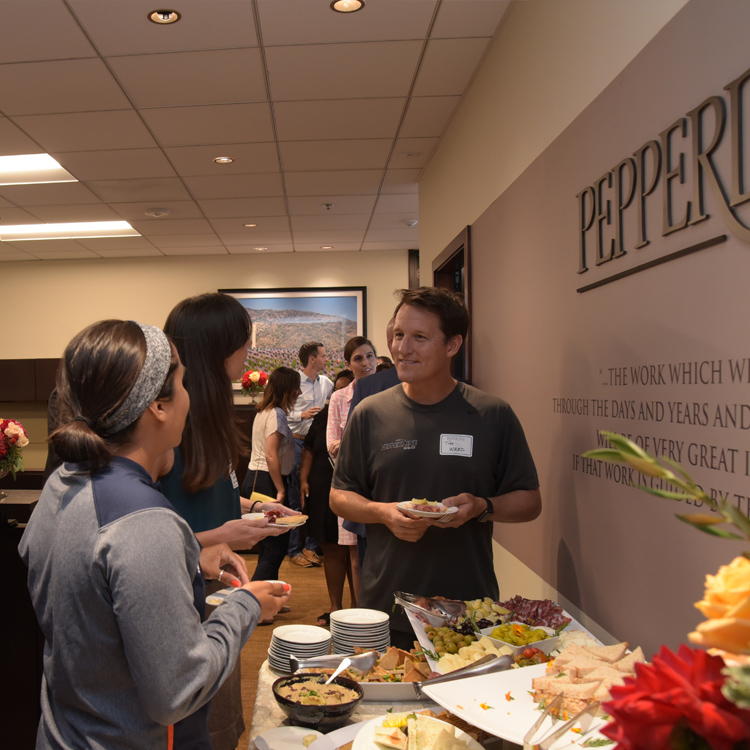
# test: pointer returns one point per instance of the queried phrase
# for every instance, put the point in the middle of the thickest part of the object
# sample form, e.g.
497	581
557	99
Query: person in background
114	572
383	360
316	390
359	356
272	459
211	333
383	366
432	438
316	472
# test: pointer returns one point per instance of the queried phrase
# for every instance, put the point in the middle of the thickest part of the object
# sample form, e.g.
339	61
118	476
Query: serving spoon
362	662
341	667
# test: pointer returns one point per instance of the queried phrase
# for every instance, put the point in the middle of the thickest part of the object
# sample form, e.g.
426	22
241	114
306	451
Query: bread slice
291	520
609	654
627	663
390	737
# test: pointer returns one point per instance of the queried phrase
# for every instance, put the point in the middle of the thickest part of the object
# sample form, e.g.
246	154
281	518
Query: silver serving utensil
341	667
486	665
586	716
449	610
362	662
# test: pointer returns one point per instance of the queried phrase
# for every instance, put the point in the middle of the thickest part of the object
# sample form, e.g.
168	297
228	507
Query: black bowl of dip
327	714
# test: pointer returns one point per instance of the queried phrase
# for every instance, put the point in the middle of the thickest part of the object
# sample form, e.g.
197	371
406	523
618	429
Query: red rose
246	380
3	444
682	688
263	379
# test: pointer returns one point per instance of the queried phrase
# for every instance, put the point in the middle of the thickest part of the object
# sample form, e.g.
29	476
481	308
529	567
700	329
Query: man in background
316	390
435	438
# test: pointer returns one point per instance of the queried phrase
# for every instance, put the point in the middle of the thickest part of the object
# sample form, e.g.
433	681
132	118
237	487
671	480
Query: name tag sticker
456	445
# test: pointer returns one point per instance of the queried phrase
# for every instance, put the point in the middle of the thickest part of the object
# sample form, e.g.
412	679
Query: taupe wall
616	553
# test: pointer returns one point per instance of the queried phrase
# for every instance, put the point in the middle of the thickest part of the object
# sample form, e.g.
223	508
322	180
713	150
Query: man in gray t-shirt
432	437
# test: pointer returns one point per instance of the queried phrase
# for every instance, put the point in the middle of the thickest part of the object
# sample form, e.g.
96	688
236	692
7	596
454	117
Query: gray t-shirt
395	449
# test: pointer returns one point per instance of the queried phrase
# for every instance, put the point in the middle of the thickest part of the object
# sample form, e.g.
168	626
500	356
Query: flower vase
3	474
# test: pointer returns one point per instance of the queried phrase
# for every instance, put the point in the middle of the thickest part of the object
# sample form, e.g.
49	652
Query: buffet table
267	714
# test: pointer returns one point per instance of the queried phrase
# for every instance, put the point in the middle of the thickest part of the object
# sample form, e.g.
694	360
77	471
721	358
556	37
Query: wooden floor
309	600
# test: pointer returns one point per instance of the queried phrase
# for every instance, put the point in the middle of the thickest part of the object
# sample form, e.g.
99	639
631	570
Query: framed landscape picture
284	319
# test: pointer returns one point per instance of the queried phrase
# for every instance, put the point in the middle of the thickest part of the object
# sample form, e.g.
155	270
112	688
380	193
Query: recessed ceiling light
69	231
31	169
347	6
249	226
326	247
223	160
157	213
164	17
260	249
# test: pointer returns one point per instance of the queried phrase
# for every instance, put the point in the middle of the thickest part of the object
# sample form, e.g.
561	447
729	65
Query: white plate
337	737
284	738
302	634
359	617
364	741
443	510
509	719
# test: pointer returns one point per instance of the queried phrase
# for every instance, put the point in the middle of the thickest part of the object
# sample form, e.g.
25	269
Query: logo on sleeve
457	445
407	445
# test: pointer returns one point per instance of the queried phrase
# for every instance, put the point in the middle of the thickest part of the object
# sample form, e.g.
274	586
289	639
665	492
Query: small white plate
303	634
364	739
285	738
440	512
359	616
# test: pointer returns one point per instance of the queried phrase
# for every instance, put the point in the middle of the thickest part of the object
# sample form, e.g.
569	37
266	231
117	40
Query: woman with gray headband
114	572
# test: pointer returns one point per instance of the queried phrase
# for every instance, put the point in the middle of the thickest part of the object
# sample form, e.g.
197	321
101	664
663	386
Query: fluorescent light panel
32	169
70	231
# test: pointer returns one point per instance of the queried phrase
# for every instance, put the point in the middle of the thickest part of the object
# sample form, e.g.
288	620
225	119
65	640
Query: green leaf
736	516
605	454
597	742
680	471
710	529
625	445
666	494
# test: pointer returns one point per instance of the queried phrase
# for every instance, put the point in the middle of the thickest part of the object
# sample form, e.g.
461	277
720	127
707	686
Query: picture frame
285	318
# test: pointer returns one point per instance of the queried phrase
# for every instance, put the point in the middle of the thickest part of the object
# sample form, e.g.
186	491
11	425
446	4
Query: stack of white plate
366	628
302	641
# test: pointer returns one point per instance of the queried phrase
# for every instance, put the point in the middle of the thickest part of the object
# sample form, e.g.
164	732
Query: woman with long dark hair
272	459
211	333
113	570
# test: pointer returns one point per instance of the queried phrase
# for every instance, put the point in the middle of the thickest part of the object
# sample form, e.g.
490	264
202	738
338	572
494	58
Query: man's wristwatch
486	514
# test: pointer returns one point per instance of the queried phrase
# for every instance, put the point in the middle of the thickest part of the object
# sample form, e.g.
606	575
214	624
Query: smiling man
432	437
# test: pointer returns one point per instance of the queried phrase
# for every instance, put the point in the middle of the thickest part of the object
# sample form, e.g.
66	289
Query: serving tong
554	709
449	610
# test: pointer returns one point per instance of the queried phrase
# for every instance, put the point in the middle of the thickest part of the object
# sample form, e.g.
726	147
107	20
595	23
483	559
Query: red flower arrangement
253	381
675	703
13	439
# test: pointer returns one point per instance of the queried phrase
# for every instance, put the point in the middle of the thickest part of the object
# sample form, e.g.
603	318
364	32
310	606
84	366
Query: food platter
364	739
501	704
439	510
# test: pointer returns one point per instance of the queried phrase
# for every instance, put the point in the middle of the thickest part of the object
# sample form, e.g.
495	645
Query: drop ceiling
330	119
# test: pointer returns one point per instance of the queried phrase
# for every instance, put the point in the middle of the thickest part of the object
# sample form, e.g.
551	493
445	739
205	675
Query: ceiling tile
102	244
329	238
14	141
131	191
427	116
76	212
362	182
342	118
338	71
181	78
265	224
394	233
48	32
124	28
235	186
11	255
402	245
306	156
58	194
164	242
246	250
401	181
316	248
210	123
194	250
457	18
171	227
341	204
87	131
412	152
393	204
249	208
131	252
262	238
11	215
177	210
248	158
129	164
60	86
330	221
448	66
317	23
